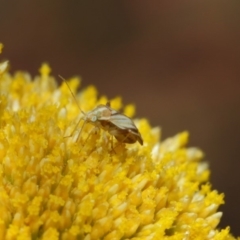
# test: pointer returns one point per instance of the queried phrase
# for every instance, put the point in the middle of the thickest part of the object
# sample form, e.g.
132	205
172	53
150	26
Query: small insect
110	120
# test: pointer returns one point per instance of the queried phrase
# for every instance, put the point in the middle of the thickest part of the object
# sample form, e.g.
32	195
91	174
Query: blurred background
178	61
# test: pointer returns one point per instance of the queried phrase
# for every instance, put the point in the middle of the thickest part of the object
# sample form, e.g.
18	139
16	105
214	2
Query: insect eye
93	118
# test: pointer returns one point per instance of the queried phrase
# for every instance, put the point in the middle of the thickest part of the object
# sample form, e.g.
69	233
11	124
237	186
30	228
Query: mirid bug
110	120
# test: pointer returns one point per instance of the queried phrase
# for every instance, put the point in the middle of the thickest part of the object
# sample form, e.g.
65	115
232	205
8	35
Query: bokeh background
178	61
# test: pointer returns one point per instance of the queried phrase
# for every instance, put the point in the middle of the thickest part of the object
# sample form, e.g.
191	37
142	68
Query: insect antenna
72	94
79	109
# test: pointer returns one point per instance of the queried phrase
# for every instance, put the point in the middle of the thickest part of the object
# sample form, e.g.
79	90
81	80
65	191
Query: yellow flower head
59	183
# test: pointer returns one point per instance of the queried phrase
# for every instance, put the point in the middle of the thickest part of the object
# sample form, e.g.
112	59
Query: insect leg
93	129
76	128
80	129
122	141
112	144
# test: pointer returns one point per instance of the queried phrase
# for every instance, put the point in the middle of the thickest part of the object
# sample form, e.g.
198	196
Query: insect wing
121	121
129	132
128	136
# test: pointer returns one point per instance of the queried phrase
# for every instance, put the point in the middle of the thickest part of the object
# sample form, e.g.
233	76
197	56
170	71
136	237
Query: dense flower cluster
54	187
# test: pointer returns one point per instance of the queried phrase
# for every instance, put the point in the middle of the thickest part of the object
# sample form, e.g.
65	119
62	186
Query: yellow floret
88	185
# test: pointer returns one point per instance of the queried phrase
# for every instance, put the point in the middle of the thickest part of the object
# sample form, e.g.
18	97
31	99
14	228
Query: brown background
177	60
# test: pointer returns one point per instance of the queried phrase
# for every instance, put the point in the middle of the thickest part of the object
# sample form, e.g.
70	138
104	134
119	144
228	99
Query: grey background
178	61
